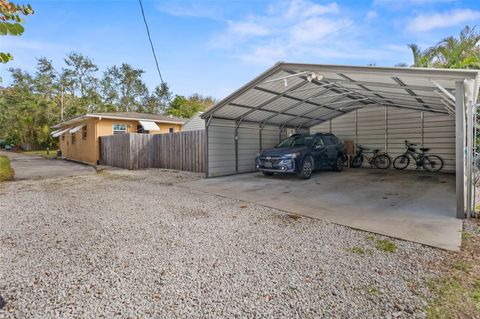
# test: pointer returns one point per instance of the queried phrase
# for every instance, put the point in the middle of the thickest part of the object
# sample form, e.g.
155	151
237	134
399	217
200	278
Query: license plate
268	164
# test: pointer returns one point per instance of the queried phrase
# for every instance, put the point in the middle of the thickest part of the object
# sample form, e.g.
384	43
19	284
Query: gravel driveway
37	167
124	244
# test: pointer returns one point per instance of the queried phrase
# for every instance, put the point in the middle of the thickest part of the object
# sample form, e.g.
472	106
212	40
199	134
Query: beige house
79	137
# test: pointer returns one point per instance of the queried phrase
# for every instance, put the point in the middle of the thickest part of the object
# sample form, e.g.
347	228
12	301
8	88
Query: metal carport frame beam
273	99
459	147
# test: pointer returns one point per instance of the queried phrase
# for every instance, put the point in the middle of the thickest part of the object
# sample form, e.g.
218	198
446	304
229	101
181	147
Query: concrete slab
411	205
35	167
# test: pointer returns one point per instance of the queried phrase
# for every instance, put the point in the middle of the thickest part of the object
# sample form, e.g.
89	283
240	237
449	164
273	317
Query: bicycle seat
423	149
362	147
376	151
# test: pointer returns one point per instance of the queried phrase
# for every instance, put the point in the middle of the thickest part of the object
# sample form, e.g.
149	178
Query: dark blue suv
302	154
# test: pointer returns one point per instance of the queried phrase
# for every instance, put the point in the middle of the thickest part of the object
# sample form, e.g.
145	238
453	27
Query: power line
150	40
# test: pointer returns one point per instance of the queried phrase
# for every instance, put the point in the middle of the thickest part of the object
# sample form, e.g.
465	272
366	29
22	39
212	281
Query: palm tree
421	59
451	52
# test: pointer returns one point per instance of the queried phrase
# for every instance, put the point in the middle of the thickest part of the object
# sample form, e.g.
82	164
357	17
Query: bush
6	170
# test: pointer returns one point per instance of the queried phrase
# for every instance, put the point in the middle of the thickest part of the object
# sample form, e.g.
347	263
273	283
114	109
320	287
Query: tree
35	101
54	81
80	74
188	107
461	53
123	88
421	58
11	22
26	115
451	52
158	101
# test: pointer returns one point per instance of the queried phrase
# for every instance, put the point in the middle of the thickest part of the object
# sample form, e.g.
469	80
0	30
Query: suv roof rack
320	133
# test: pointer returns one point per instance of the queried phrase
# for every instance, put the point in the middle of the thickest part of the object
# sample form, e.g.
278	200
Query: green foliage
123	86
452	53
6	170
11	22
476	293
386	245
34	102
372	290
188	107
358	251
448	292
462	265
466	235
383	244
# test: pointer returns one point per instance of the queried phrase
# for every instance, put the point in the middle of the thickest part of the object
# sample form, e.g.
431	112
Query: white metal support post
470	134
460	147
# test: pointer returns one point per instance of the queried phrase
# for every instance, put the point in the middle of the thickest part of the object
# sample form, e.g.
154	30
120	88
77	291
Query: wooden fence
183	151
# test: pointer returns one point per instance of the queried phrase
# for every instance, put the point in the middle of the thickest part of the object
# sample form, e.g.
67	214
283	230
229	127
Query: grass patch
477	208
51	153
476	293
359	251
386	245
447	291
372	290
466	235
462	265
6	170
456	292
383	244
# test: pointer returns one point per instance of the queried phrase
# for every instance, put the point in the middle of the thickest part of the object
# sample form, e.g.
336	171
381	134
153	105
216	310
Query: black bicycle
431	163
379	160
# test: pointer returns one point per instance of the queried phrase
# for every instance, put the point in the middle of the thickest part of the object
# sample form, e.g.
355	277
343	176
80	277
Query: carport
373	106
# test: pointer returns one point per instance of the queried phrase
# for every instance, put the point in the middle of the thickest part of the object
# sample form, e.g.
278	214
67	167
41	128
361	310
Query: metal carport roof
304	95
293	95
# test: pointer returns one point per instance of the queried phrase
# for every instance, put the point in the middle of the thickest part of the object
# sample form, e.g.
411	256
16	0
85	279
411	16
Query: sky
214	47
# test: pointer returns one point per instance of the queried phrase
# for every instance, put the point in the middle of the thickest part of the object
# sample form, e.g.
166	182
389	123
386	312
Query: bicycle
431	163
379	160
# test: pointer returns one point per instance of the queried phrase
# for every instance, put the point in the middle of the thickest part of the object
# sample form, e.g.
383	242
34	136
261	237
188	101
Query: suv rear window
296	141
329	140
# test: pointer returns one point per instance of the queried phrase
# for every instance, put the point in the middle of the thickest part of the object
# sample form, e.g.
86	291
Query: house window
170	130
119	128
84	133
74	138
63	137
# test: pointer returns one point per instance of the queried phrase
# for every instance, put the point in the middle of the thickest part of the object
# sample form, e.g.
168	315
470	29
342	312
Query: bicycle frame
417	156
369	158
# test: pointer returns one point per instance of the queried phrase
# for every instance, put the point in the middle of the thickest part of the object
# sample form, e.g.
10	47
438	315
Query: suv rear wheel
306	169
338	165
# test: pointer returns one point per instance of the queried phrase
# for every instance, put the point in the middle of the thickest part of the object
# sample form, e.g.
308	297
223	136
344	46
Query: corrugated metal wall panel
439	135
402	125
438	131
371	128
248	147
221	146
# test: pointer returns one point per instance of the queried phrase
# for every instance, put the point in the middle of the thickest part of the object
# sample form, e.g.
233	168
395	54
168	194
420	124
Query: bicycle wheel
382	161
401	162
357	161
432	163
